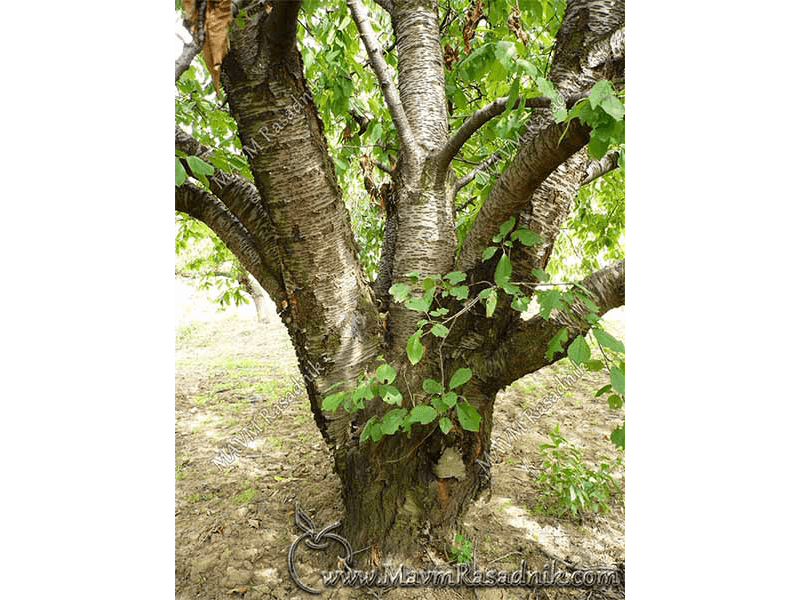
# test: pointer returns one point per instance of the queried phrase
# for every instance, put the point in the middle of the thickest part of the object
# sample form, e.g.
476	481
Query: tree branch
281	30
466	179
204	207
243	200
522	350
536	159
386	5
598	168
185	59
484	115
381	70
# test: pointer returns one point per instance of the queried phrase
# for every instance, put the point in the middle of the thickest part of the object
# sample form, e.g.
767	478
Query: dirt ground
234	526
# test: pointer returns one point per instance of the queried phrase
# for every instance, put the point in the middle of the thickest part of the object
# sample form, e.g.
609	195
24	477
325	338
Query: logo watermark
463	575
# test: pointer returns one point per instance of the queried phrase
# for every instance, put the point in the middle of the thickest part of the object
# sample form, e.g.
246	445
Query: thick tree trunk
405	489
291	230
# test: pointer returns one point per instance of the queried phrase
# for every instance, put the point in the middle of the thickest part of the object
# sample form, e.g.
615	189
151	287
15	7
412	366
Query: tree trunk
259	296
291	230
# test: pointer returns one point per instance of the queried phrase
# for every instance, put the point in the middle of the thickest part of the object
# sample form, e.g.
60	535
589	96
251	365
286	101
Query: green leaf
414	349
618	380
549	300
468	416
557	104
365	433
180	173
594	365
385	373
526	236
455	277
199	166
445	425
489	252
450	399
503	270
607	341
420	304
540	275
332	402
439	312
460	377
506	227
618	436
491	302
431	386
603	390
461	292
391	420
399	291
579	351
422	414
428	283
376	432
438	404
439	330
556	344
614	401
521	303
613	107
363	392
597	147
505	53
513	94
390	394
599	92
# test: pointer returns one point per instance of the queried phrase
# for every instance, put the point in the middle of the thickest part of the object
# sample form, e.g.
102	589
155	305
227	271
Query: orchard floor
234	526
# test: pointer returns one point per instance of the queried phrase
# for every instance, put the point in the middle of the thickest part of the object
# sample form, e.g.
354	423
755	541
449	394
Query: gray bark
291	230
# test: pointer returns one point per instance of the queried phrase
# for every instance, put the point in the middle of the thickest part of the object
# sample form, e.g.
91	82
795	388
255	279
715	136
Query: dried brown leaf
450	56
218	18
515	24
470	24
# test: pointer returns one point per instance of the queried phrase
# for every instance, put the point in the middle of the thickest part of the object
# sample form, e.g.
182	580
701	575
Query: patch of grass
275	442
202	400
185	333
179	474
273	389
199	498
242	362
245	496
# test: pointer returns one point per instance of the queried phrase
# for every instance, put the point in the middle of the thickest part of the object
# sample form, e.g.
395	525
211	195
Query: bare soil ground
233	527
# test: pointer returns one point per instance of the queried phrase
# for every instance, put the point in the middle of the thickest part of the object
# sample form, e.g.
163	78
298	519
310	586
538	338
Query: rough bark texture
291	230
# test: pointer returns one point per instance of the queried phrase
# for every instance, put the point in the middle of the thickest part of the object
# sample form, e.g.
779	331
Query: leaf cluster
437	402
567	485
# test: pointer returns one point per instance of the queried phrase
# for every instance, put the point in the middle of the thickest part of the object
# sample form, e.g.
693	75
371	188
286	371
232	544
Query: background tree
458	137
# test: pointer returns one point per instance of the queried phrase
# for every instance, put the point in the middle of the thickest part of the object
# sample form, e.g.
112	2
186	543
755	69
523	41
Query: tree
404	350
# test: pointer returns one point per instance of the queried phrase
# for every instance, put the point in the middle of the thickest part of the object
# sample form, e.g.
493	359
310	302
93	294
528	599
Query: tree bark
291	230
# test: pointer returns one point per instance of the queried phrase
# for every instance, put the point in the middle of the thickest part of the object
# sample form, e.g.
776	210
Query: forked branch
381	70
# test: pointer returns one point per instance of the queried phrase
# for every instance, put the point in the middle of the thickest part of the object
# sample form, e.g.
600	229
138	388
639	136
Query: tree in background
404	180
